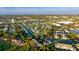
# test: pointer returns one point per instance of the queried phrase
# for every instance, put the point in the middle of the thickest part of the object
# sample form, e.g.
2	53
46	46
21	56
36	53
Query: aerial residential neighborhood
39	33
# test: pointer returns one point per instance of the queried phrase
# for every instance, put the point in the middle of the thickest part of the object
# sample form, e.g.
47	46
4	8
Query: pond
74	31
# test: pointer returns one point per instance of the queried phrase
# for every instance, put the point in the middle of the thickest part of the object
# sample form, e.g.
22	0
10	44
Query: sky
39	10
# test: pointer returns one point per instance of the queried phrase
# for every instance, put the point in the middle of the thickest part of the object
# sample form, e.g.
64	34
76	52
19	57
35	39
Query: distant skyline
39	10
